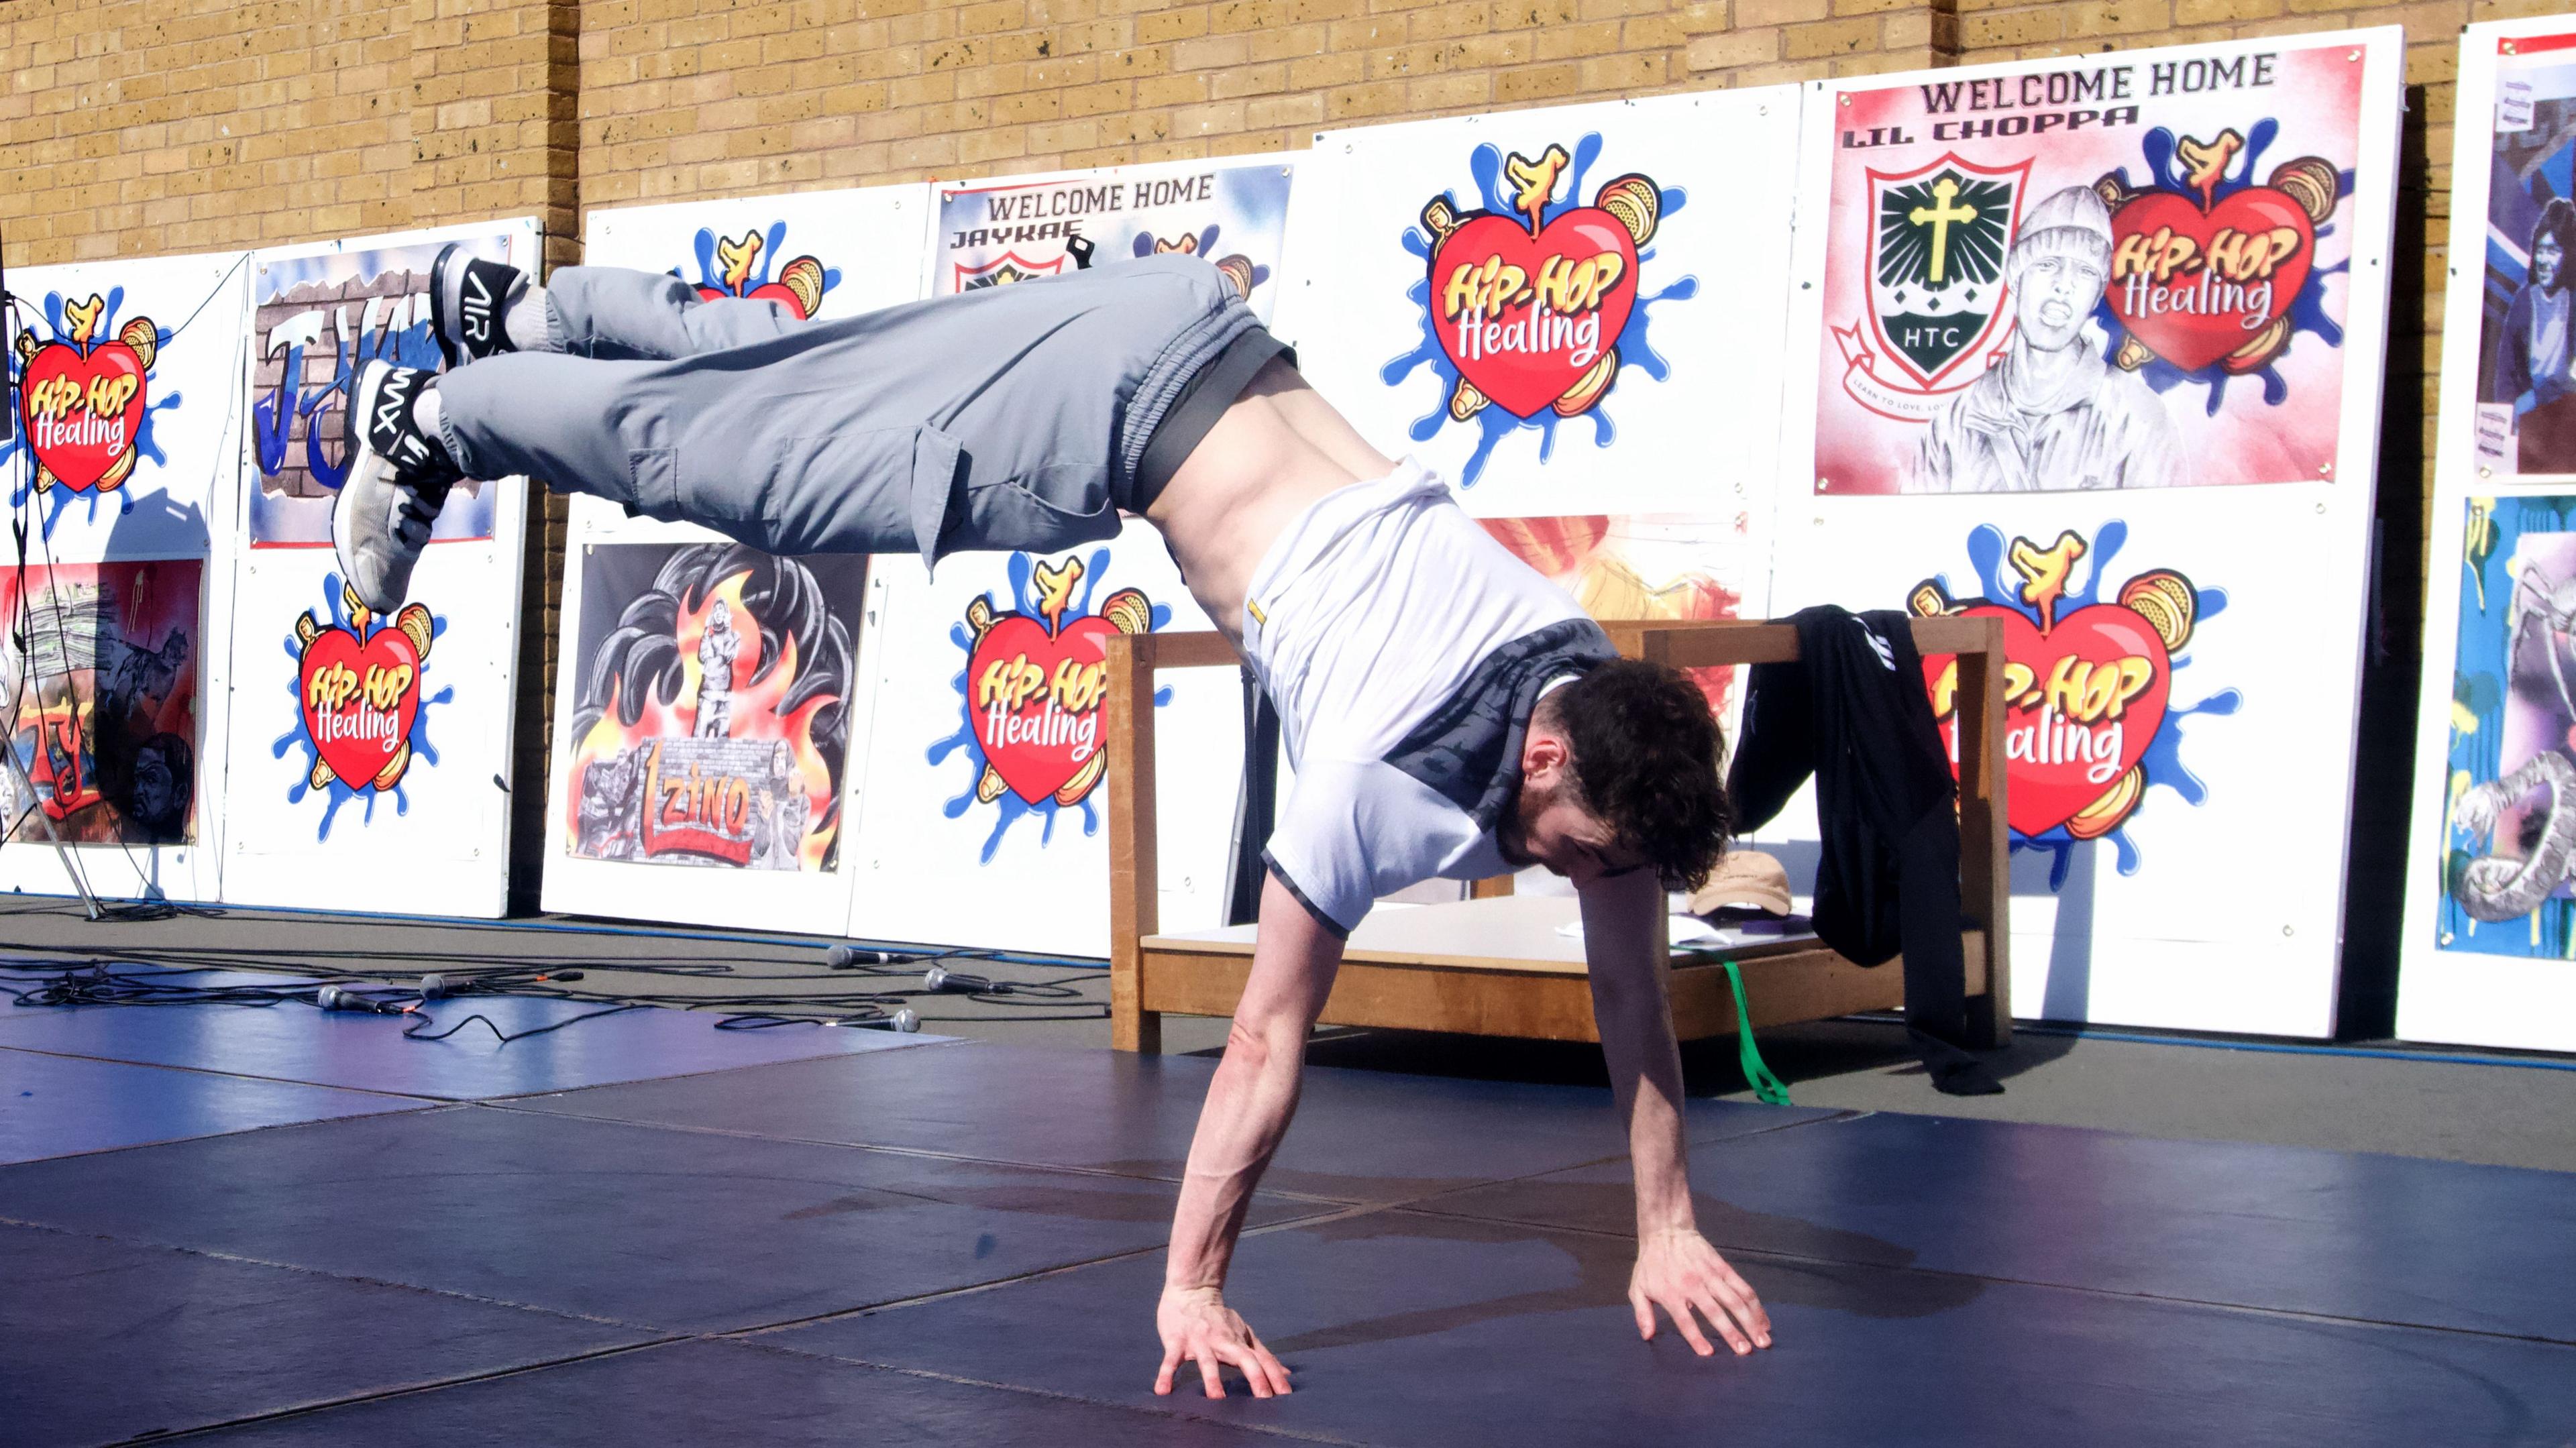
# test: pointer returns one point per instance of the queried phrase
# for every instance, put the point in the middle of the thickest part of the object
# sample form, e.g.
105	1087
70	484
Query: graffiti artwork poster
2489	953
982	806
1573	310
101	700
126	376
318	316
1695	567
2126	270
1234	214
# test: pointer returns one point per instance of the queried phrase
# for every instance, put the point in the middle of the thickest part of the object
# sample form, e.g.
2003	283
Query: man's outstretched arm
1249	1102
1677	1270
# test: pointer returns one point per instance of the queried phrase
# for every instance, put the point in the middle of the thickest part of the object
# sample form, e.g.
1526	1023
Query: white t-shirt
1404	648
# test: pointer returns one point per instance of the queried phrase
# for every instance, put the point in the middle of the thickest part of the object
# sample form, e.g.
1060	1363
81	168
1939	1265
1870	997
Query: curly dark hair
1649	763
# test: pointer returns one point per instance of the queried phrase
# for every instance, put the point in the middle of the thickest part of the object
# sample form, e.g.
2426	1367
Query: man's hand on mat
1198	1327
1678	1271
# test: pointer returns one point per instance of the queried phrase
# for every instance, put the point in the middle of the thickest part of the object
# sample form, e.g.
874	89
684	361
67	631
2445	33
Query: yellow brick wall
685	98
130	129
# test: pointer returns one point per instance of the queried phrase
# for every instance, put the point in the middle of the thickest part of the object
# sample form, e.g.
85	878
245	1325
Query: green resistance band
1766	1086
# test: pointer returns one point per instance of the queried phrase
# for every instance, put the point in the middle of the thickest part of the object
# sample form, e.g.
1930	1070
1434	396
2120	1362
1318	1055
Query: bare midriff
1276	450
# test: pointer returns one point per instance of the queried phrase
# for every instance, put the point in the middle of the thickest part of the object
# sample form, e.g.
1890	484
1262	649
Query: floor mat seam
244	1259
1060	1395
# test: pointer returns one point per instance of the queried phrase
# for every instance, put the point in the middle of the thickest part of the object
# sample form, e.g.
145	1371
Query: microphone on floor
333	998
842	957
905	1019
939	979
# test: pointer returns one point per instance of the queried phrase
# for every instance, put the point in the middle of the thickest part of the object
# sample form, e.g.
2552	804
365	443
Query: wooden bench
1498	965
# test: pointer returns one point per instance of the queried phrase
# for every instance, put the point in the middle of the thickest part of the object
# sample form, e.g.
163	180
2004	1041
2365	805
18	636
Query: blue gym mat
962	1242
296	1042
60	1105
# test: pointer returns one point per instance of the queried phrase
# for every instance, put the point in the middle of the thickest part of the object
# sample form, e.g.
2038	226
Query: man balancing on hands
1448	711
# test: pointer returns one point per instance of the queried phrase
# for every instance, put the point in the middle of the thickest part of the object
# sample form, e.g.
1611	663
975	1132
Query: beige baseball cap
1744	877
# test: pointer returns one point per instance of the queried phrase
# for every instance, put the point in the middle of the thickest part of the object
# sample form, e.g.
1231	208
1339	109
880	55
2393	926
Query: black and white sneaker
469	304
398	480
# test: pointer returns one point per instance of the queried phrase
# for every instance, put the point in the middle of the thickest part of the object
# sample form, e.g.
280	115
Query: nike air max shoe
398	479
469	302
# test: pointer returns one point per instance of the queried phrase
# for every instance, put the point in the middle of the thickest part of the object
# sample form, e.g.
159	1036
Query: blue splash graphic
339	791
2307	310
273	418
1204	246
58	498
2000	584
1010	807
711	271
1492	422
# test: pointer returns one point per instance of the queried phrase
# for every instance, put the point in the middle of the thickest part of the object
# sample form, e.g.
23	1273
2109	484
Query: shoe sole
448	255
362	457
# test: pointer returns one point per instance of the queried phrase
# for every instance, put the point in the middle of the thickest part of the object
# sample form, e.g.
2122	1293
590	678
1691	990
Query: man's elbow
1263	1045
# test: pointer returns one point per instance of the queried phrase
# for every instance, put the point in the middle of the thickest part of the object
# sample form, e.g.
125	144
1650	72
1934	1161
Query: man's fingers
1719	1318
1256	1378
1679	1308
1171	1362
1739	1297
1271	1364
1208	1374
1645	1315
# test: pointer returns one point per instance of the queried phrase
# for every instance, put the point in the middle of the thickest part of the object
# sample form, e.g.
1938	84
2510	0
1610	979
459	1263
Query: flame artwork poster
711	724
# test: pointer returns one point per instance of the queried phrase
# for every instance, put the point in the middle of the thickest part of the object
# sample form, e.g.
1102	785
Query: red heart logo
1524	316
359	699
1035	699
2081	704
82	412
2197	286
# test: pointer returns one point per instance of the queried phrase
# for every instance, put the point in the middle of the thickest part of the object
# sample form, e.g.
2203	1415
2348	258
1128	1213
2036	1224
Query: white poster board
381	744
670	799
981	813
1614	417
2488	954
121	469
2162	272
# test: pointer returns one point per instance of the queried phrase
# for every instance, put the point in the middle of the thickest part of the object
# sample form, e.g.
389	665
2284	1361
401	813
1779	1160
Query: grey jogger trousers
1010	417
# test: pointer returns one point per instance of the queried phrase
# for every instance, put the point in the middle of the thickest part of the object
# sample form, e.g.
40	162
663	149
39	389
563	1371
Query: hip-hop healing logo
2088	718
361	713
737	269
1531	306
2209	274
85	399
1032	691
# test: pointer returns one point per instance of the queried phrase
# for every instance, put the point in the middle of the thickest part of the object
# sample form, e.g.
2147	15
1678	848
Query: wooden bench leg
1131	1026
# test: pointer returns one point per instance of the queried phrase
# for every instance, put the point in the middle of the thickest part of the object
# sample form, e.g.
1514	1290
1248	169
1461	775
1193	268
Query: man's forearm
1622	928
1249	1103
1254	1091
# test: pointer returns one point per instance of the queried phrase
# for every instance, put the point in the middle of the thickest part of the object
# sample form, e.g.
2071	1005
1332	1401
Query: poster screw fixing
2486	472
2286	930
2354	55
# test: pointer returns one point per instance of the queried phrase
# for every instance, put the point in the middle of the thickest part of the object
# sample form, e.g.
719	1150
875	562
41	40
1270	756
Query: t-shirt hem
1332	927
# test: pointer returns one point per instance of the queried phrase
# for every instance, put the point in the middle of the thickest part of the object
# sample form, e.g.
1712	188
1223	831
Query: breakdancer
1448	711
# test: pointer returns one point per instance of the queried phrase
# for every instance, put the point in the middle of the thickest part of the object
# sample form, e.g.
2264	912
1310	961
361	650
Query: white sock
526	321
424	410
